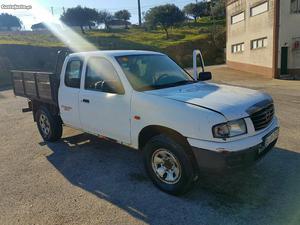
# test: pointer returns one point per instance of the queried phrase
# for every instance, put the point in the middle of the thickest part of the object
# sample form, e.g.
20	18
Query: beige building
263	36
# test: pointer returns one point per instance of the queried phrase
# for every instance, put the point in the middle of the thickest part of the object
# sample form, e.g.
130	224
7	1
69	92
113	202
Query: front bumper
226	161
220	157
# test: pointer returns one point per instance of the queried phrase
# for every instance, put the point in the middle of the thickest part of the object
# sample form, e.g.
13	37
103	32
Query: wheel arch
152	130
36	105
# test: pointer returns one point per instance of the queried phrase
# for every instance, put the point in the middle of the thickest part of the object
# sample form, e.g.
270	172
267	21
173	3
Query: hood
233	102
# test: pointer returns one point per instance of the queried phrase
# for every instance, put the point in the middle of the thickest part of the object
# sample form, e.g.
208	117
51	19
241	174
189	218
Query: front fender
189	120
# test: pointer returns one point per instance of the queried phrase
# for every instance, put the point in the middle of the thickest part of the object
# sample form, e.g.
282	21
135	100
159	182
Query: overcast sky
110	5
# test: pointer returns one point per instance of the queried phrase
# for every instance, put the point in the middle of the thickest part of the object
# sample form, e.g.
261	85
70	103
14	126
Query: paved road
84	180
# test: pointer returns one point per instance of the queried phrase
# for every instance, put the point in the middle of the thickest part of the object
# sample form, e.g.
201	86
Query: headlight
230	129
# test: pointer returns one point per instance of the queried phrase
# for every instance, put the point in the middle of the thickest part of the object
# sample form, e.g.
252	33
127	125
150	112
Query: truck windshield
149	72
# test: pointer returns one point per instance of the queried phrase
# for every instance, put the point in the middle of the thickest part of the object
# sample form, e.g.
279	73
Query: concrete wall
288	30
23	57
251	28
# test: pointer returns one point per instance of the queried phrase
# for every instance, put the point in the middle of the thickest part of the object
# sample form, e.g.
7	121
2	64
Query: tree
165	16
104	17
192	10
217	33
79	16
218	8
92	16
9	21
123	15
197	10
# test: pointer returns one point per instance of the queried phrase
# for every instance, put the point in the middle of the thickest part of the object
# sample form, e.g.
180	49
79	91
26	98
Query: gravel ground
84	180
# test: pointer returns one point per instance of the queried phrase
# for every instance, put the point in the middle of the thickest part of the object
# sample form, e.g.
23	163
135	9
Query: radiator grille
262	118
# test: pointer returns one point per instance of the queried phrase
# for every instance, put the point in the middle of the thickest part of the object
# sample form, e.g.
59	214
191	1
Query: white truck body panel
106	114
68	99
231	101
156	110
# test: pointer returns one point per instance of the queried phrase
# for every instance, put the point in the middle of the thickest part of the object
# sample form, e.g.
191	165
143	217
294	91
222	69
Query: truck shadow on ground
268	193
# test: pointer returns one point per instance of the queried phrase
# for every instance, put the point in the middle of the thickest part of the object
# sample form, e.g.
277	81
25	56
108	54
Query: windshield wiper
154	87
179	83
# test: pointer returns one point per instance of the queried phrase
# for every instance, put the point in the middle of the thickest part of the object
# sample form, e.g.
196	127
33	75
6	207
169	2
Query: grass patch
41	47
29	38
155	39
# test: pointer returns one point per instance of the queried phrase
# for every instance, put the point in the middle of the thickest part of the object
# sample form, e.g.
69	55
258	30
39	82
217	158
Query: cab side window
101	76
73	73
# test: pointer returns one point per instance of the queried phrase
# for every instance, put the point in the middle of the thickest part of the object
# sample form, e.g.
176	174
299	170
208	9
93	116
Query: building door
284	60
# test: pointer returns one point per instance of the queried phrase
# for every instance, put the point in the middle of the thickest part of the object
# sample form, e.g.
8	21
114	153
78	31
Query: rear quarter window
73	73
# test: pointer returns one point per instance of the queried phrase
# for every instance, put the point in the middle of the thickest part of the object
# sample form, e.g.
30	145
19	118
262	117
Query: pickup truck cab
146	101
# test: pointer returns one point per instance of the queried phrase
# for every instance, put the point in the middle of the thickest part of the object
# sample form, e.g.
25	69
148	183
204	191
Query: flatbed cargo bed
35	85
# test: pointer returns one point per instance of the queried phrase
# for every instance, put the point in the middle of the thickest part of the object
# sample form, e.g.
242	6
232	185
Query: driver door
104	106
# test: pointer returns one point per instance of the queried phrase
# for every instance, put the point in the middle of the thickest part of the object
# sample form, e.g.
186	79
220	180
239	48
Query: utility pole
52	11
140	14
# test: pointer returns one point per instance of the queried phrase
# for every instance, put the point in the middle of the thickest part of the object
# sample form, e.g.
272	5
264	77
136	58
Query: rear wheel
50	126
169	165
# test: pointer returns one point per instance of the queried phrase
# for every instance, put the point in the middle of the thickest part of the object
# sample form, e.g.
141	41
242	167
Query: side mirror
203	76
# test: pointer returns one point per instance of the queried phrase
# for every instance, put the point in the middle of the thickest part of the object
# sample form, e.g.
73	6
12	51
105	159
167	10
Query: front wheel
50	126
169	165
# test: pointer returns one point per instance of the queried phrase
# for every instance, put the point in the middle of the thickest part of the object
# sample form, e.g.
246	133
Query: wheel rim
44	125
166	166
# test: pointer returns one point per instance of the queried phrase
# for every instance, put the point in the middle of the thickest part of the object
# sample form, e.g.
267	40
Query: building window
261	8
238	18
296	44
295	6
236	48
259	43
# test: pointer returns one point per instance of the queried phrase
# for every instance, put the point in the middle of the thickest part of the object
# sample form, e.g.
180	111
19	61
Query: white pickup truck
146	101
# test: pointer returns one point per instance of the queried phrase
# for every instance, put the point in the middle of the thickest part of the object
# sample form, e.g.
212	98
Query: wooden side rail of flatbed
39	86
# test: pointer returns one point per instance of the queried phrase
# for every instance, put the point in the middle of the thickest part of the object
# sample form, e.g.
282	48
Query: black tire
54	125
185	181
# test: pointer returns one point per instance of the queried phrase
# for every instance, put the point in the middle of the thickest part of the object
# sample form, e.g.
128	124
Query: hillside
182	41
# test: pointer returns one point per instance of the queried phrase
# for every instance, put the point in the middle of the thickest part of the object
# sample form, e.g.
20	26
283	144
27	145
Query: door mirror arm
202	76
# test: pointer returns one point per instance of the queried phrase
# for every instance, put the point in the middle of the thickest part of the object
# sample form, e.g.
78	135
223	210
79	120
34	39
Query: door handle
85	100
